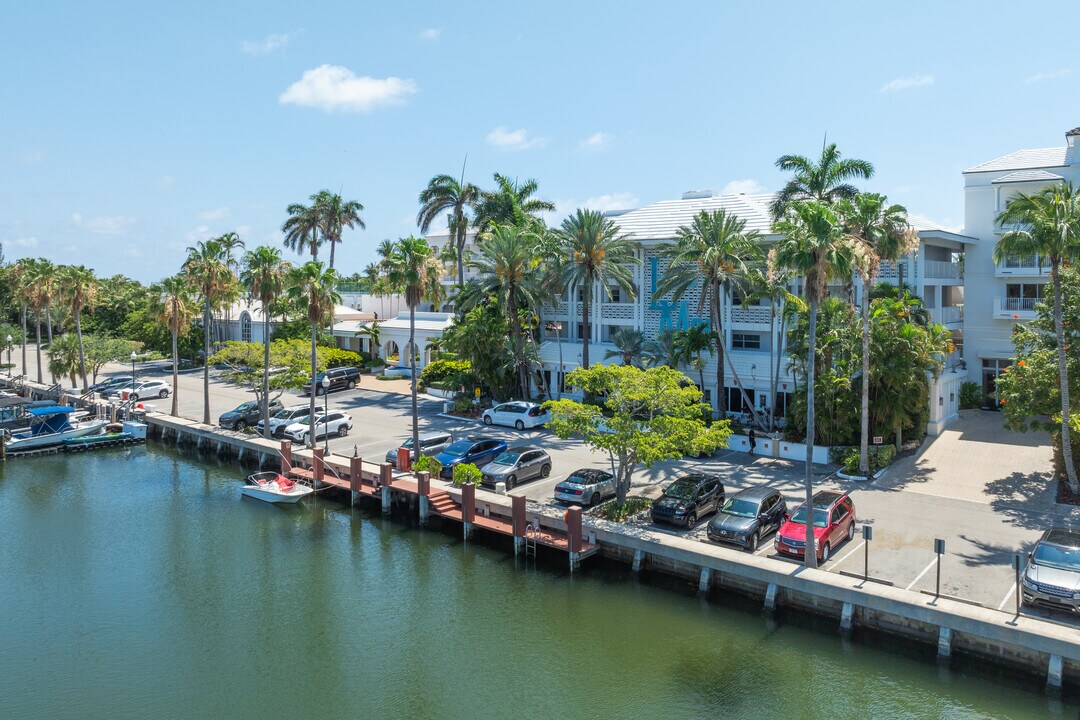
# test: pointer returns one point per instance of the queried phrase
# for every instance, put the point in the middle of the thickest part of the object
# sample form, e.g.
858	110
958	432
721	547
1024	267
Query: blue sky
128	131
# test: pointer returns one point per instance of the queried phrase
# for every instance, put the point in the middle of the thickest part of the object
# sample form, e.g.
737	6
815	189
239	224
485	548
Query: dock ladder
530	540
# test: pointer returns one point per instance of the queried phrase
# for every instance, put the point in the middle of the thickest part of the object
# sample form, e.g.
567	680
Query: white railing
945	315
617	311
751	314
1014	265
942	269
1018	307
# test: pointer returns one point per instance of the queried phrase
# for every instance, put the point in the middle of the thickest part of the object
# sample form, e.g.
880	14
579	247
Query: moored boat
52	426
273	487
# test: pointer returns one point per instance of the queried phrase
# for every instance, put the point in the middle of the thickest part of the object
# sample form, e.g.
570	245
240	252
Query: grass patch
380	376
619	513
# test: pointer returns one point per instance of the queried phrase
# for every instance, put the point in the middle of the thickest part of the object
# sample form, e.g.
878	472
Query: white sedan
144	390
336	423
520	415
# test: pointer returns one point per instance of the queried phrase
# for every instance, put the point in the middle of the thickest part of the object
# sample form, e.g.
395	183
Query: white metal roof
929	228
1024	160
425	321
662	220
1027	176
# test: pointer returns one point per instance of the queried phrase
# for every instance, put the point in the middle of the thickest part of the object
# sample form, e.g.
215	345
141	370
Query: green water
138	584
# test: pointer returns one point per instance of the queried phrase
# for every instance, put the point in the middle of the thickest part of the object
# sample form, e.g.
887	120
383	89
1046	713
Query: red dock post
468	507
318	465
423	487
573	535
519	521
356	477
386	477
286	456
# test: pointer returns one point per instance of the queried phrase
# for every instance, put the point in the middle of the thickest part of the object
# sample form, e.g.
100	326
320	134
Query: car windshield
459	448
1055	556
821	516
740	508
407	443
581	480
507	458
681	490
285	414
245	407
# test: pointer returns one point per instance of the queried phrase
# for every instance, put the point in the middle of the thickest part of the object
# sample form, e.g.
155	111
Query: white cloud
595	141
747	186
215	214
105	225
23	242
332	87
267	45
165	182
907	83
518	139
603	203
1053	75
430	34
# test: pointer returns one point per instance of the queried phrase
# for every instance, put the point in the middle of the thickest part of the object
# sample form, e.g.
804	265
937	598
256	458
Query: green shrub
428	464
463	404
879	456
440	370
382	376
336	357
466	474
618	513
971	395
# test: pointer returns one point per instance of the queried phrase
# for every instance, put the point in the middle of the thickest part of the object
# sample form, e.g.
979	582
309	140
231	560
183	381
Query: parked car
430	444
834	522
748	516
143	389
246	414
112	383
335	423
586	486
687	499
520	415
342	378
476	449
1052	575
517	465
287	416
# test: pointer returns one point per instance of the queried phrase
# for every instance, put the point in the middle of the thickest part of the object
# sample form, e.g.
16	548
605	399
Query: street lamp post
9	339
133	358
326	412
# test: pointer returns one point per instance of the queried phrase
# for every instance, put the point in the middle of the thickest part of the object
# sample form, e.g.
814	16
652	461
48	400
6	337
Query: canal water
138	584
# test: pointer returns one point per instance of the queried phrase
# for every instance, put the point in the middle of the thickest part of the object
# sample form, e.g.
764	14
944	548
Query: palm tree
413	270
312	287
715	249
21	289
35	299
175	310
629	345
884	234
827	180
772	284
335	215
507	261
595	252
80	289
1048	225
445	194
264	277
206	270
49	290
302	229
691	343
510	203
372	332
815	246
663	350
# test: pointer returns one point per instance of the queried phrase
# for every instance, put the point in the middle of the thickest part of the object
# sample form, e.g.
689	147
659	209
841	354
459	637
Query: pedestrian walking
753	440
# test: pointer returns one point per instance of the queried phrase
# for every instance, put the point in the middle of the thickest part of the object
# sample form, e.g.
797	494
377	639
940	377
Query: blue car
474	449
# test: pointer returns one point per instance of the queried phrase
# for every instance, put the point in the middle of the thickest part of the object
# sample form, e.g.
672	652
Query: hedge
879	456
336	357
441	370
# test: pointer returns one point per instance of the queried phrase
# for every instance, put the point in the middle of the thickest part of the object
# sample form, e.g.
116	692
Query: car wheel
133	396
240	425
351	384
691	521
752	545
595	499
307	438
851	531
509	482
545	471
163	394
824	553
519	425
343	431
487	419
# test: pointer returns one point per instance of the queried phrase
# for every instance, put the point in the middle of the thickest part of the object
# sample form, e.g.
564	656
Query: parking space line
848	553
1008	595
920	575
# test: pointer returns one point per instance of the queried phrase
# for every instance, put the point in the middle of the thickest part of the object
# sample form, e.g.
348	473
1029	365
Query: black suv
687	499
340	378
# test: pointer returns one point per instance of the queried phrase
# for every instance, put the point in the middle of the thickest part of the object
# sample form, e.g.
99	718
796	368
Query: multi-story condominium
1001	294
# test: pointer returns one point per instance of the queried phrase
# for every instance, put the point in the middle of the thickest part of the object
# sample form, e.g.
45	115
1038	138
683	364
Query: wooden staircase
443	504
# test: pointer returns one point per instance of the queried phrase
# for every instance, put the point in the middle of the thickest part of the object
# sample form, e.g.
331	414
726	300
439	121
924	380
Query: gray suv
1052	575
430	444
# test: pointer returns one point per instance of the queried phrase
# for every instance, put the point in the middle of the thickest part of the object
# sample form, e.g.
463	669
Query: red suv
834	522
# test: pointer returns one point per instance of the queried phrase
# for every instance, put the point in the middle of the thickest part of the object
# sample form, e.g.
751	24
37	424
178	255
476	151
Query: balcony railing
1014	265
1016	308
751	314
945	315
942	269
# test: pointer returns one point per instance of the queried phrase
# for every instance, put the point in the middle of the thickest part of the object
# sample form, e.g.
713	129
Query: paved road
984	490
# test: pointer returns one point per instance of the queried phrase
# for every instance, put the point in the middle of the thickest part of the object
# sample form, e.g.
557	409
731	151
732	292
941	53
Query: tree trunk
519	351
332	244
462	233
48	331
82	355
776	371
558	375
864	437
266	373
206	362
1063	372
810	553
412	365
586	326
24	343
37	350
718	328
175	363
314	385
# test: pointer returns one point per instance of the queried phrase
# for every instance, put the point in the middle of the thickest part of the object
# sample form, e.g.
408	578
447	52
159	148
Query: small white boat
52	426
273	487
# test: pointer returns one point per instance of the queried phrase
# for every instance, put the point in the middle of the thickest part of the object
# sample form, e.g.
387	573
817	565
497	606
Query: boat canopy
54	410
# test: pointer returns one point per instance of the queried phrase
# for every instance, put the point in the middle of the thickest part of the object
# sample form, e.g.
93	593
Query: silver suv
287	416
1052	575
430	444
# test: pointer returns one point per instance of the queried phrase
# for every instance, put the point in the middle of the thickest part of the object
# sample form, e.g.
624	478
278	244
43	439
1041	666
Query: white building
1000	295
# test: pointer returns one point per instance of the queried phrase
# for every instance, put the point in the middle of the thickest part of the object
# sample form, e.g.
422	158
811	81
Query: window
838	513
738	297
745	341
245	327
606	331
1031	291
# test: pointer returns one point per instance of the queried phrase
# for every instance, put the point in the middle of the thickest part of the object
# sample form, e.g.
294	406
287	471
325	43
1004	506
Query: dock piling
468	508
1054	672
386	477
770	597
639	557
356	478
705	580
423	487
847	618
944	643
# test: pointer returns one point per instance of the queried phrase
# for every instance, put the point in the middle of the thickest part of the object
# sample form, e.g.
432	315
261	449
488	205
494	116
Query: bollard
868	535
423	488
1016	566
939	550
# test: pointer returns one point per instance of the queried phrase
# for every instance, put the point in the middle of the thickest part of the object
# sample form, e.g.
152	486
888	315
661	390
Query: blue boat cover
54	410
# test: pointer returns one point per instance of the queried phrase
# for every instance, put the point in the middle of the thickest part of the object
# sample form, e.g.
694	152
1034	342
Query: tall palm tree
302	229
175	309
335	215
827	180
771	283
884	234
593	252
689	346
1048	225
445	194
35	299
413	270
49	289
815	246
206	269
263	276
664	350
312	287
507	261
629	344
510	203
80	290
21	289
715	249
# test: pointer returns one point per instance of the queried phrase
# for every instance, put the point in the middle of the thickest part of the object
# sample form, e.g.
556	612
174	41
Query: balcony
750	315
1015	308
947	315
1022	266
942	270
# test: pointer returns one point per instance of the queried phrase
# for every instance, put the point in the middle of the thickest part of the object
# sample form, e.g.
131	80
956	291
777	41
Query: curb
860	478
